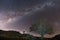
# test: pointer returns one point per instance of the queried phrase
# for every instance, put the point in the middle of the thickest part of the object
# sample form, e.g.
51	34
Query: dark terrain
14	35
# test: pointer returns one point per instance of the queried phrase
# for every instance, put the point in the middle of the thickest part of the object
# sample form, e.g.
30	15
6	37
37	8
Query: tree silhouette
42	28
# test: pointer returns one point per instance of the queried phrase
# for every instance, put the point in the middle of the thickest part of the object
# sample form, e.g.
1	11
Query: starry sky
20	14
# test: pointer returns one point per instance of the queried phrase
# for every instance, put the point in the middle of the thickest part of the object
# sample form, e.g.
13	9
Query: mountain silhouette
57	37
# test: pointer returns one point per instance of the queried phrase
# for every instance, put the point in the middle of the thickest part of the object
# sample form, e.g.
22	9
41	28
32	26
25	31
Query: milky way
20	14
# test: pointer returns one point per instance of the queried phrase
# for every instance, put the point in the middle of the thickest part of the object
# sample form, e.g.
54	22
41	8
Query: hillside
14	35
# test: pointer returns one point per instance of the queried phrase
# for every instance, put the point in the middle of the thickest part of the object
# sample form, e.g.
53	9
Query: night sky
20	14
